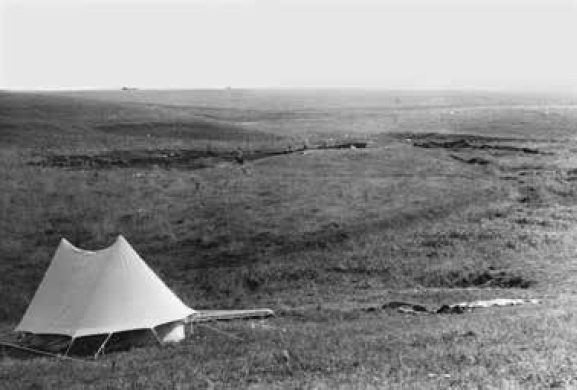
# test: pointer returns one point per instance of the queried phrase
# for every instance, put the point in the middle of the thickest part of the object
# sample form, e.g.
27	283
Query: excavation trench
175	158
457	142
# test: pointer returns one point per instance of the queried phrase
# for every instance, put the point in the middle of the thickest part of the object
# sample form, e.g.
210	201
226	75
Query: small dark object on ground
239	158
405	307
472	160
455	336
345	145
450	309
351	145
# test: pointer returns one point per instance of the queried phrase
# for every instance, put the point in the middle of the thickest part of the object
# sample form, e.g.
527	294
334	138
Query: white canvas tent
104	292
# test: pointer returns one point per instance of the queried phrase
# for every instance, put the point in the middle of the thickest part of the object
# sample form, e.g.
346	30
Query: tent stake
156	336
102	346
69	346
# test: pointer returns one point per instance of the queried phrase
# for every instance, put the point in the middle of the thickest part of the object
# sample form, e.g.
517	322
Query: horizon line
563	91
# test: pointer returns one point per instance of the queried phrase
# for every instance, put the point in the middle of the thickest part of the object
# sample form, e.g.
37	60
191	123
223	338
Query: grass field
459	196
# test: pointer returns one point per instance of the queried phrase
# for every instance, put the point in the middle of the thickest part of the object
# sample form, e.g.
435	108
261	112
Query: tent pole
69	346
102	346
156	336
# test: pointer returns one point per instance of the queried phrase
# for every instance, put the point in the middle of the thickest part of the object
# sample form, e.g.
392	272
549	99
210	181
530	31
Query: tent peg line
39	352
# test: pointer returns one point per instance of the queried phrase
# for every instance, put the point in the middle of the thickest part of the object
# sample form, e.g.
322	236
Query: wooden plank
227	315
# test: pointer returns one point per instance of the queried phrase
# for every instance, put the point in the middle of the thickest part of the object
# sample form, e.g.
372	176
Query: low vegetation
317	235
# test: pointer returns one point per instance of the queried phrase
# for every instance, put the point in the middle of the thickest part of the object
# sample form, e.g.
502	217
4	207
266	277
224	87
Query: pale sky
397	44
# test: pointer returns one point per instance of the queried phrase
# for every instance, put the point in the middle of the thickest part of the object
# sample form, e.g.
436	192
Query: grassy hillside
451	204
318	114
29	120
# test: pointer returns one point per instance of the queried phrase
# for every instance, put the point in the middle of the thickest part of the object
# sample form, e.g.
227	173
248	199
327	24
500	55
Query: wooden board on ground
227	315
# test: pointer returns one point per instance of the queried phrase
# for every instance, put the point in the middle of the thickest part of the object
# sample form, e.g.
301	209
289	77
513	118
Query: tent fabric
173	332
111	290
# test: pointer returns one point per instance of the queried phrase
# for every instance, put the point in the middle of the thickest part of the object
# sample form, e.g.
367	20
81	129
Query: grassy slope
68	123
322	113
318	237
